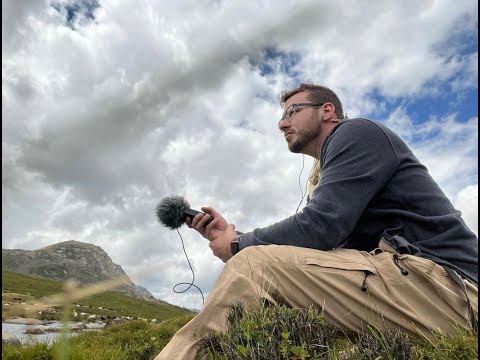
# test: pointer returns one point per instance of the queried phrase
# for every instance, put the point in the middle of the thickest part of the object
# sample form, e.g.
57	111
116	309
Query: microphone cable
190	284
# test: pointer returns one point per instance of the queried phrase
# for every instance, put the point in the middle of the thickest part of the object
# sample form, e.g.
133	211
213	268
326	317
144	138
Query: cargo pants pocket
364	268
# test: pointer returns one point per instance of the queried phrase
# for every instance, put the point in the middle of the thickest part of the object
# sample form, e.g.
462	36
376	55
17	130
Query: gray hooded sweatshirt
373	187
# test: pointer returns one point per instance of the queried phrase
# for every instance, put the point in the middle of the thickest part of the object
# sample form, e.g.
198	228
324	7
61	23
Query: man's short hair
316	93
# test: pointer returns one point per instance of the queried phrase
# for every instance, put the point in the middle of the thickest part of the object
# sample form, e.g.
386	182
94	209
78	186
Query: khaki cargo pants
354	289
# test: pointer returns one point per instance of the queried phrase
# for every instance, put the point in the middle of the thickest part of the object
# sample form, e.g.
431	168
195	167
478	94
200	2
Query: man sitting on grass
377	243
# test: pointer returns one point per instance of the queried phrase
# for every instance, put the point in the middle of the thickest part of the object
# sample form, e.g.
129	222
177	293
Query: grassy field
274	333
278	332
266	333
32	289
134	340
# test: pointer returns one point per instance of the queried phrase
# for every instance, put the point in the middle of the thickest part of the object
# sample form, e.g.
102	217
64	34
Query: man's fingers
196	219
211	225
208	210
200	224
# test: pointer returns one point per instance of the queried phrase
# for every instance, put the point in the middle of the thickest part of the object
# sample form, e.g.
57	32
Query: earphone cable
300	184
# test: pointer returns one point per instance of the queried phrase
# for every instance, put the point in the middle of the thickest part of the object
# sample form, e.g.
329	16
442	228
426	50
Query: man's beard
306	135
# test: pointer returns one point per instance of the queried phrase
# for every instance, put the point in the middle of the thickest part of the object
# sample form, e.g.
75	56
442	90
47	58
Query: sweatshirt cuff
246	240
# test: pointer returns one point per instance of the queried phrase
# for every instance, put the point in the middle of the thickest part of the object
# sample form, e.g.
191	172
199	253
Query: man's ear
328	110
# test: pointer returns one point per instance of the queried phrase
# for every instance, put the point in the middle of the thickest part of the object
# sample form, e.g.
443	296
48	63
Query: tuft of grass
18	352
376	344
462	345
266	333
272	333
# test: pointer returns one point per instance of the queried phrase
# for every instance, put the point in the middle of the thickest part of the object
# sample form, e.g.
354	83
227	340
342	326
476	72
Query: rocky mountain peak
85	263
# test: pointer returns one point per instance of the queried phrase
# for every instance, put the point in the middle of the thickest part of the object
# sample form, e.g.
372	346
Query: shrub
272	333
267	333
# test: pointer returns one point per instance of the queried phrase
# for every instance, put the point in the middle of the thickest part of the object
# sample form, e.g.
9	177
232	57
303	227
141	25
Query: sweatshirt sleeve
357	160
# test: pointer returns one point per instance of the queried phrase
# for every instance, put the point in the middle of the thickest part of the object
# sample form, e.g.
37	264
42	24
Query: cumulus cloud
108	107
467	202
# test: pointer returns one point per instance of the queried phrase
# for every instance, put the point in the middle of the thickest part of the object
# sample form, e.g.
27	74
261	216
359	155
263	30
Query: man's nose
284	124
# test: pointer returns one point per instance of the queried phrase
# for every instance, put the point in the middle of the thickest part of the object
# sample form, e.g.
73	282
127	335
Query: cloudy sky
109	106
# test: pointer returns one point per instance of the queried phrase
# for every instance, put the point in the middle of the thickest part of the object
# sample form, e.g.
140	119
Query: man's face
304	128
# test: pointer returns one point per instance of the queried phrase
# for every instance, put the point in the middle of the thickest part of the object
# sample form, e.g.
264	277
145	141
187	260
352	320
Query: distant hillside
86	263
144	291
107	303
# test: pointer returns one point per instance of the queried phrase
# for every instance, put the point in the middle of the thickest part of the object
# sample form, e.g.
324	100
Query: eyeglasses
292	110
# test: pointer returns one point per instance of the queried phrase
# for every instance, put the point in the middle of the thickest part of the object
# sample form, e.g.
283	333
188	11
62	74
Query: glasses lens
291	113
288	115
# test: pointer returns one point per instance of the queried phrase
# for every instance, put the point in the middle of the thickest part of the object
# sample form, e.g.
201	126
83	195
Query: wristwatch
235	244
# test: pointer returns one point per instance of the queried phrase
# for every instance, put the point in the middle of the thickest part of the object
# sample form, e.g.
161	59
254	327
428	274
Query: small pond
18	331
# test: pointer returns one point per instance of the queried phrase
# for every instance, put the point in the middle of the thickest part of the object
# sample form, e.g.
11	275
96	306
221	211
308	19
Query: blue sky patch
273	60
464	104
83	8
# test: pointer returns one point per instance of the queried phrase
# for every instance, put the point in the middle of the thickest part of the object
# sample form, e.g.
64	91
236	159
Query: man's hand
218	231
214	229
221	245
